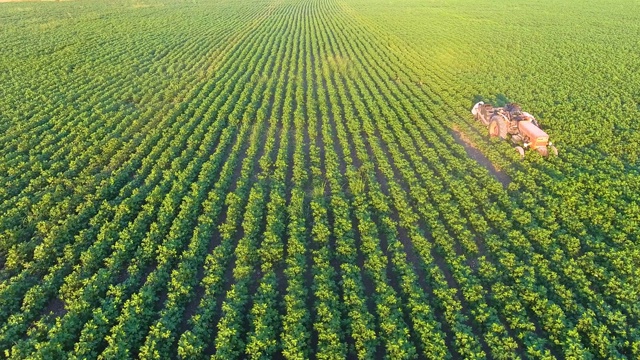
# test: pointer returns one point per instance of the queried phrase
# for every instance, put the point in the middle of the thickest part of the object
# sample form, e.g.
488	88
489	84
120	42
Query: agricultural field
301	179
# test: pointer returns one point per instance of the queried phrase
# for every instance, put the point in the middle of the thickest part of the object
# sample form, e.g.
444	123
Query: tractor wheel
520	151
543	151
497	127
554	150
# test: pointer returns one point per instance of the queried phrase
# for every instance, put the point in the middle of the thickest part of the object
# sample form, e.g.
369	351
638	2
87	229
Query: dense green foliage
252	179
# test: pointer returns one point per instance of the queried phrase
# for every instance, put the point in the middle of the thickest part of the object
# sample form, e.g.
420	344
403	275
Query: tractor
513	123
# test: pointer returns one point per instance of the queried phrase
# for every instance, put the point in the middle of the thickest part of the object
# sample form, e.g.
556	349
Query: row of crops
281	178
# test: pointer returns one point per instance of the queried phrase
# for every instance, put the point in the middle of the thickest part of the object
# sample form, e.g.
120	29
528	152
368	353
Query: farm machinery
518	126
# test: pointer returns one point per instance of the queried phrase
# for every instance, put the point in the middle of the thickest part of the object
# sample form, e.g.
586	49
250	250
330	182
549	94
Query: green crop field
292	179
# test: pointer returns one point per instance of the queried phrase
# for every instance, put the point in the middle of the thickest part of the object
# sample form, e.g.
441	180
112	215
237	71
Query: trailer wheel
497	127
520	151
543	151
554	150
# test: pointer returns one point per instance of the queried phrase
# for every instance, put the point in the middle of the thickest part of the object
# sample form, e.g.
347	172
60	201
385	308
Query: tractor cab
513	111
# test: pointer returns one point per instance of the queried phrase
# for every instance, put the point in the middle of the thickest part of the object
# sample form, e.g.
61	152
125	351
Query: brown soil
473	152
55	307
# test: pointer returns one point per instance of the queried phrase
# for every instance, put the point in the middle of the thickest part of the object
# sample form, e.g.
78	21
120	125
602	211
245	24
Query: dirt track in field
479	157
